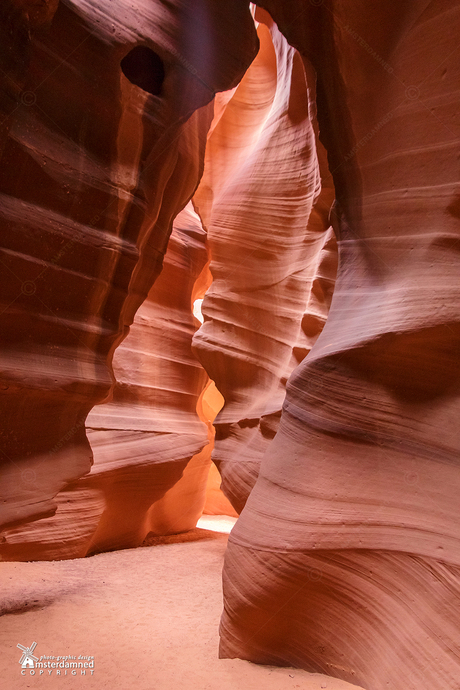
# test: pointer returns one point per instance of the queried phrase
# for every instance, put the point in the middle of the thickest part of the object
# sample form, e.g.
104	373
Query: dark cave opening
144	68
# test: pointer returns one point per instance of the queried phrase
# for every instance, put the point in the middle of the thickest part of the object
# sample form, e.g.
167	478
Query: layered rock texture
346	558
103	127
266	214
145	437
149	474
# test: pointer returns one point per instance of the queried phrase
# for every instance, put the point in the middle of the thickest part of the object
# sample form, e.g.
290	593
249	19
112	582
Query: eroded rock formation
149	474
145	437
346	558
102	133
261	180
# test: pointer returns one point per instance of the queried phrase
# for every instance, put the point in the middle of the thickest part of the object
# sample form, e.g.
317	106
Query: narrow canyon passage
292	167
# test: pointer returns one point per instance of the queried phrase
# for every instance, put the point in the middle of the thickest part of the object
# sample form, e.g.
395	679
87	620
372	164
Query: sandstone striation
149	432
261	180
103	122
346	559
149	474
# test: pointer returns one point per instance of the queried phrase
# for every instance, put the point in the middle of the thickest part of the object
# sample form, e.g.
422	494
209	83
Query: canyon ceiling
295	166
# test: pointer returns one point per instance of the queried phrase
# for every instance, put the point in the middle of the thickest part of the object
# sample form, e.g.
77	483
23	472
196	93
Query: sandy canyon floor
149	617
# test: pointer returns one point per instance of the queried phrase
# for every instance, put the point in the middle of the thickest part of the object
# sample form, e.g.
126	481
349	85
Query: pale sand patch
149	616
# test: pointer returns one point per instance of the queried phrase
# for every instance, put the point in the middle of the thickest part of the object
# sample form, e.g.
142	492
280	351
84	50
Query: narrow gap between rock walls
218	514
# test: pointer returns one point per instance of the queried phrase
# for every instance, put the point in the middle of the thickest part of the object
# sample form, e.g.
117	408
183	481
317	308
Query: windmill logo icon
27	659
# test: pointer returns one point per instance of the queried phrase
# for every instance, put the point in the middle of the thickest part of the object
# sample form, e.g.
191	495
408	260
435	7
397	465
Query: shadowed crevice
144	68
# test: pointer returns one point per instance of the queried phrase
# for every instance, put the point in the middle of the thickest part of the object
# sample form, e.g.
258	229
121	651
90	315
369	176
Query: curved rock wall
101	145
262	178
346	558
147	435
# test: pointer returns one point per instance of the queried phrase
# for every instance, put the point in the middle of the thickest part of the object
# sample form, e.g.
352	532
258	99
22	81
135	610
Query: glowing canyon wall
104	118
264	199
346	557
151	450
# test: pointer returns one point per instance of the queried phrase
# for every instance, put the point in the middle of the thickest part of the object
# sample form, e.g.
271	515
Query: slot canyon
230	297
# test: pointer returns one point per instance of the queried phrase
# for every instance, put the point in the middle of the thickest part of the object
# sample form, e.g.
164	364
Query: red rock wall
146	436
262	178
100	148
346	558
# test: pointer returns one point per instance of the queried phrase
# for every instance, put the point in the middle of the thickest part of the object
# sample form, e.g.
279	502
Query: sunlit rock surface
262	178
346	558
103	123
149	475
145	437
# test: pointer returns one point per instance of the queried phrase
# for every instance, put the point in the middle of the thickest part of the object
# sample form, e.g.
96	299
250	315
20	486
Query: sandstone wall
262	178
346	558
102	132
